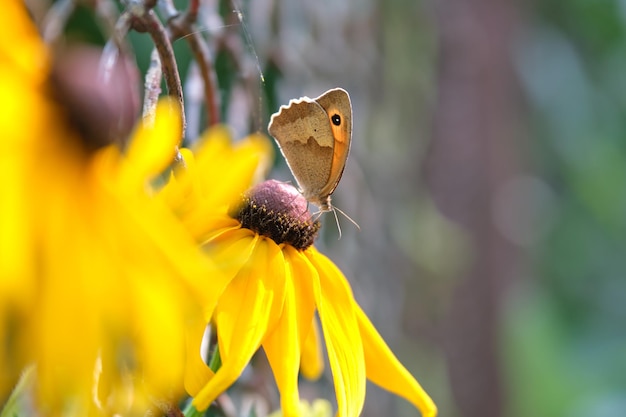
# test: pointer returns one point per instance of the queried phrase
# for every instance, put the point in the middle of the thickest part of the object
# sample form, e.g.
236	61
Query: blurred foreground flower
274	282
97	279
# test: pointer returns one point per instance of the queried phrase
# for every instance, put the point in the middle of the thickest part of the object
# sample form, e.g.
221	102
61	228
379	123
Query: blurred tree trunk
475	149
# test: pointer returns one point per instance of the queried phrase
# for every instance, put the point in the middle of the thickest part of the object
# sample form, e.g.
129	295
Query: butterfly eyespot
336	119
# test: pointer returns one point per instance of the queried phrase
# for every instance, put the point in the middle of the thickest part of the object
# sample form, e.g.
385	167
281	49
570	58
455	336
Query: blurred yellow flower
97	279
274	282
318	408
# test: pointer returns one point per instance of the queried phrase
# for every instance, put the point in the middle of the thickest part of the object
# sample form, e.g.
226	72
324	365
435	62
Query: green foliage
564	343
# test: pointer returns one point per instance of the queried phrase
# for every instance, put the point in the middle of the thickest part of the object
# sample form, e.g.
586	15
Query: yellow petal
150	291
64	297
237	178
236	166
248	309
233	251
312	363
282	346
385	370
306	287
283	353
16	263
21	46
206	228
341	333
153	148
197	373
182	190
260	145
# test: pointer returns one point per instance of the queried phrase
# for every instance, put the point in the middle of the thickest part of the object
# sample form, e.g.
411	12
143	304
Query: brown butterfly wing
336	104
305	138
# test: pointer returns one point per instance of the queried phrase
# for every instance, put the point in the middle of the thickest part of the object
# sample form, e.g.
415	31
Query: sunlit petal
312	362
384	369
341	333
230	255
247	310
283	345
153	147
282	349
182	191
217	159
306	287
210	226
197	372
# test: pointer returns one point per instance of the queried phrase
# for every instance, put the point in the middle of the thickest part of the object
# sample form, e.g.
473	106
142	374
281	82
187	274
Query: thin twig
183	26
152	87
56	19
153	26
192	11
200	50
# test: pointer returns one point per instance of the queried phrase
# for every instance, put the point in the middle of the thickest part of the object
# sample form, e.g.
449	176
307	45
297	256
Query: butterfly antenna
315	216
347	217
334	209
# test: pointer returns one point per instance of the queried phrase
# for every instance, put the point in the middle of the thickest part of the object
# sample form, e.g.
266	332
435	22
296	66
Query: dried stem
152	87
56	18
192	10
162	43
183	27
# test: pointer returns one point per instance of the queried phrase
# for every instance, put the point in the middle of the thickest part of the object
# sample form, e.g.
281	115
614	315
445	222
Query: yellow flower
319	408
275	281
97	279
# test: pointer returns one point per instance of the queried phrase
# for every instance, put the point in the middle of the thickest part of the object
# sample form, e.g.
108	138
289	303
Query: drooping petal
253	301
385	370
342	336
306	285
248	309
197	373
282	349
312	362
283	345
306	289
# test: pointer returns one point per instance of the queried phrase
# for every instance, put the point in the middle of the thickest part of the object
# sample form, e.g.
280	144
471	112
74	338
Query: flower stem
14	404
216	361
190	411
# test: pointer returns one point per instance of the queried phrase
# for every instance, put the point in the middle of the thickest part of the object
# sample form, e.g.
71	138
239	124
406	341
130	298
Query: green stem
190	411
14	404
216	361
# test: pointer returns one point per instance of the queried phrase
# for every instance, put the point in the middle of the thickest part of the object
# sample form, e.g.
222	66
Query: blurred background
487	174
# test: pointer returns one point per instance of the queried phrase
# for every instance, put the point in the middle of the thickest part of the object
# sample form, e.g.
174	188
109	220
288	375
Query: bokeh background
487	173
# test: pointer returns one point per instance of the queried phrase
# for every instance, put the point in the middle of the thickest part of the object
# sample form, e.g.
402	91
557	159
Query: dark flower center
277	210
